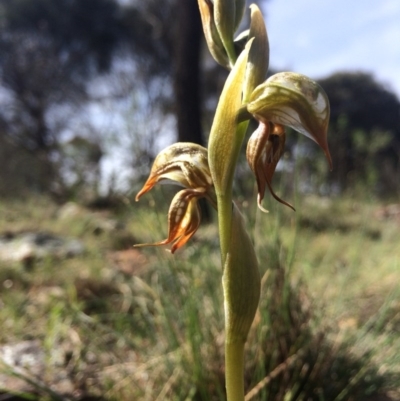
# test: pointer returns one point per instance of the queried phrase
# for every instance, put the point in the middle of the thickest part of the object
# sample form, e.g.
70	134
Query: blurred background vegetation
84	80
90	90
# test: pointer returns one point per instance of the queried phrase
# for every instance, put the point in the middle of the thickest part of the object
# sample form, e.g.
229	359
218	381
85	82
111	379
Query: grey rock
20	247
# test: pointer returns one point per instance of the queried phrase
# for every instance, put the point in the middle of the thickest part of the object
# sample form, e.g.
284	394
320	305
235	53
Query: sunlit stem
234	370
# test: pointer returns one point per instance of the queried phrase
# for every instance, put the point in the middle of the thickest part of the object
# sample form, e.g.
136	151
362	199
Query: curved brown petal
264	149
183	219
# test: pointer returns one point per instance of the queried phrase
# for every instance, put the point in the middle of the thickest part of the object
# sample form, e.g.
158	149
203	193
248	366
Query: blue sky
317	38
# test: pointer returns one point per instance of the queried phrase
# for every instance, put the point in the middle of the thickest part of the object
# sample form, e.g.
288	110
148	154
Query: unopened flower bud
224	16
211	33
258	62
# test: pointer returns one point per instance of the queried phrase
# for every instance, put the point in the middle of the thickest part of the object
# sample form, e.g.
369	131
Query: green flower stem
230	50
234	349
240	268
234	370
241	284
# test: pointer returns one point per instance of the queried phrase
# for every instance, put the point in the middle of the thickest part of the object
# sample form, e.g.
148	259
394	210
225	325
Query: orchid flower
184	164
285	99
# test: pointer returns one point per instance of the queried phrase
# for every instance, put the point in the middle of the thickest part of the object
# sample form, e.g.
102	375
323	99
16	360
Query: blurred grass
327	329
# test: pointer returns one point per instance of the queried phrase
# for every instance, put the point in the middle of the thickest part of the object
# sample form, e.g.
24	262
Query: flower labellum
264	149
183	219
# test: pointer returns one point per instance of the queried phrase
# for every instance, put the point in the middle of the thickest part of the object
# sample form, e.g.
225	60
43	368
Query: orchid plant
285	99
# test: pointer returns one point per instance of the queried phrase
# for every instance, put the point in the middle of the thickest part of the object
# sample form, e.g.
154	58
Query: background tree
48	51
365	131
188	40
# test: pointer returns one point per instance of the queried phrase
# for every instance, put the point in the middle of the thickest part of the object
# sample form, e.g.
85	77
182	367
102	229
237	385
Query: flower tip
323	143
144	190
275	196
259	199
141	245
329	158
139	194
173	249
